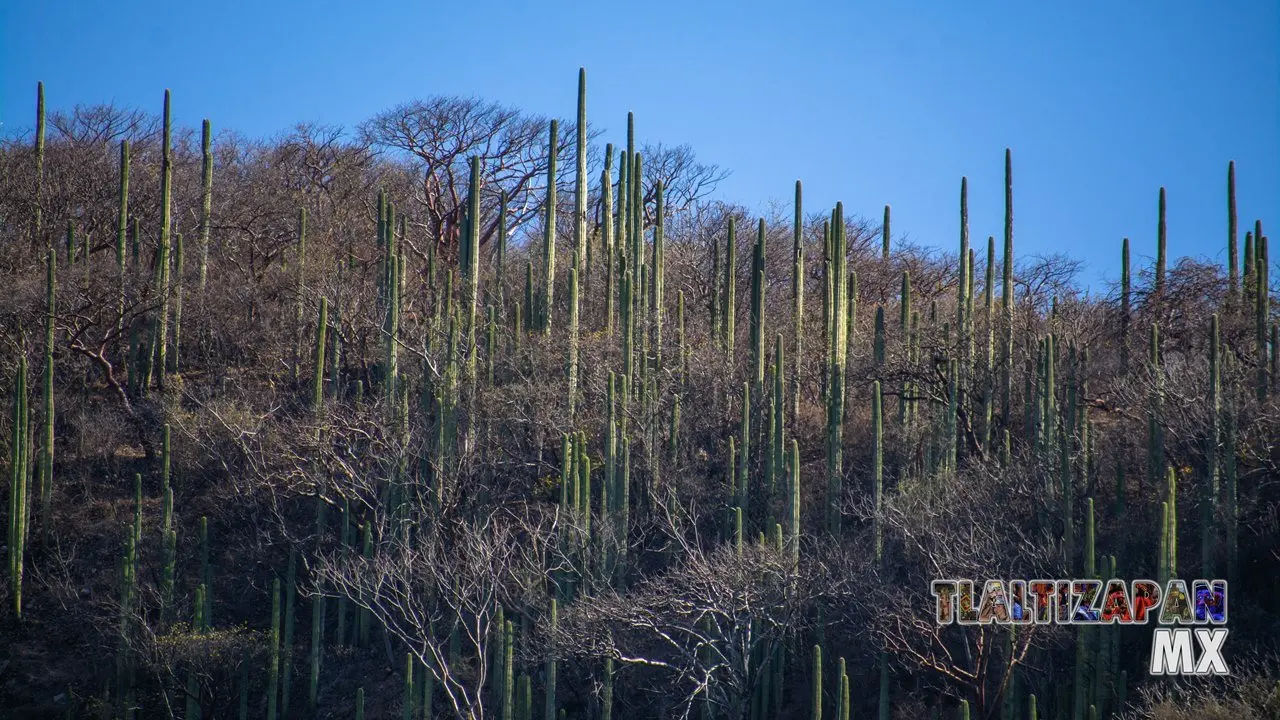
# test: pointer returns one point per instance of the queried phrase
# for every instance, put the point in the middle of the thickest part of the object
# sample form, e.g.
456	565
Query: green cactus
410	693
178	262
744	451
1247	279
572	365
816	701
38	203
1161	253
580	180
1233	261
730	291
835	371
206	200
656	293
160	341
317	377
19	487
606	695
508	676
877	468
359	703
273	659
1155	419
841	676
607	239
471	276
122	224
757	307
1262	295
549	233
797	308
793	504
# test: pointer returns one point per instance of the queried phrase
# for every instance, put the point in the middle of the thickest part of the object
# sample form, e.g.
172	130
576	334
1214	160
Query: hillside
466	414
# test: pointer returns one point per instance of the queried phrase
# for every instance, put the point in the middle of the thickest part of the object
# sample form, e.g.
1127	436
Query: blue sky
869	103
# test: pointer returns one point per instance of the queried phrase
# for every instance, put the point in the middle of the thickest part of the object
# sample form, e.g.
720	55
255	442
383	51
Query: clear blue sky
1102	102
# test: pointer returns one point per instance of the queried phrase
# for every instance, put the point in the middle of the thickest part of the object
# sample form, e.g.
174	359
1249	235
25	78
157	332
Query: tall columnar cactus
877	468
471	278
317	376
744	450
1233	260
885	237
549	232
508	672
580	180
1162	554
964	287
206	199
1161	251
1247	279
550	706
816	702
161	339
607	239
797	305
730	291
757	306
178	262
1155	420
38	203
1125	305
18	486
1262	270
1006	296
835	371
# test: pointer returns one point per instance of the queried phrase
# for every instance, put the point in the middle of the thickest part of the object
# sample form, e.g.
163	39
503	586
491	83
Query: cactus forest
327	427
